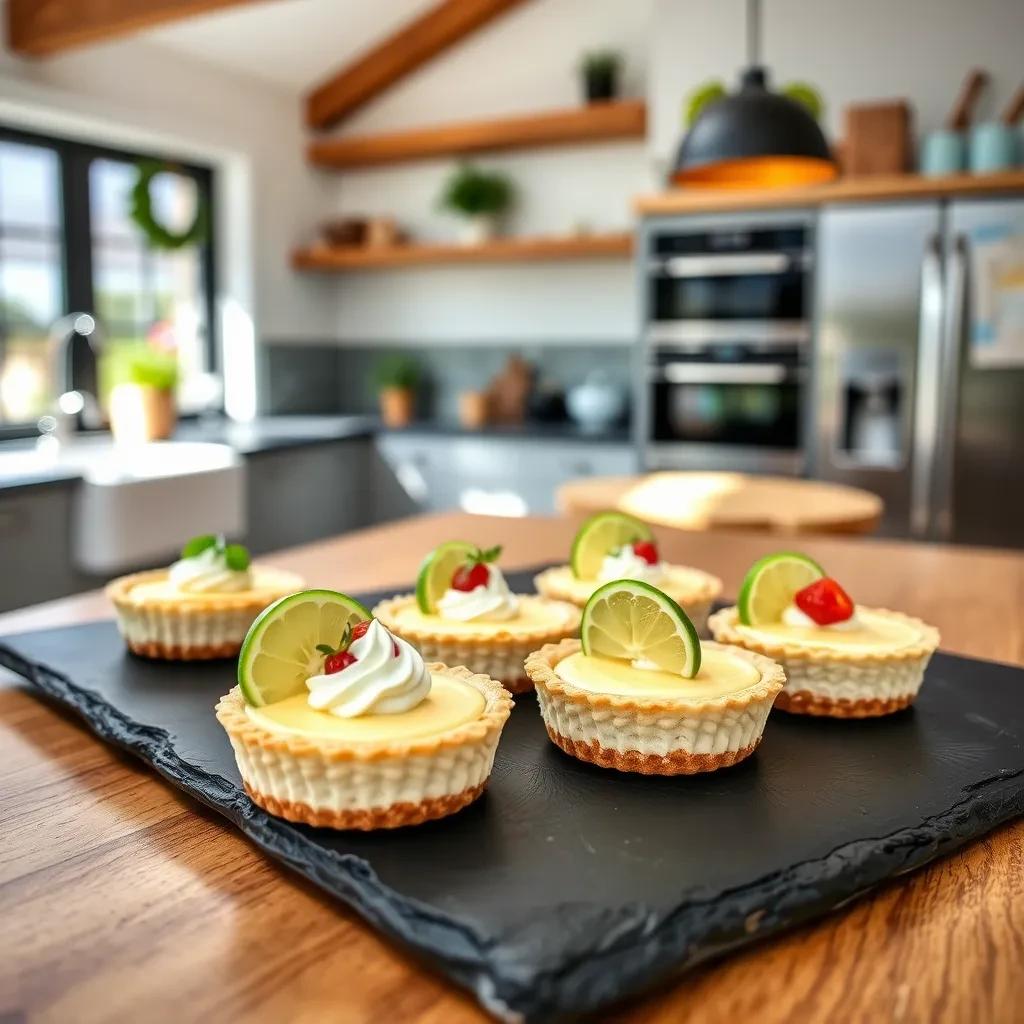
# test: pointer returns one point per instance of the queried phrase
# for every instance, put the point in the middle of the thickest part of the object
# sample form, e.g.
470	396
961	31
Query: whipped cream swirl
626	564
378	682
793	616
208	573
492	602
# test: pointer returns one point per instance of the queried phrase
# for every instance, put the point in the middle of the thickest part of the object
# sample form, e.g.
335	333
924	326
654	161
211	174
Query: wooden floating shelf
873	188
499	250
623	119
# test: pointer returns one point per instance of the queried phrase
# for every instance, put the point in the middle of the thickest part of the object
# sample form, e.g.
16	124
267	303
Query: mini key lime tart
464	614
639	692
613	546
842	660
201	606
338	723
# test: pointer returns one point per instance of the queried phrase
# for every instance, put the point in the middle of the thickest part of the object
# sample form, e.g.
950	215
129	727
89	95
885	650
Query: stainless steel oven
723	367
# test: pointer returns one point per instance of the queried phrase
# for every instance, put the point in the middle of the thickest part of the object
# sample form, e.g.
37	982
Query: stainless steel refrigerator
918	380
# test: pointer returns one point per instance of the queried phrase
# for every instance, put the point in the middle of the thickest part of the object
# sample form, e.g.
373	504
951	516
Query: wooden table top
697	500
121	897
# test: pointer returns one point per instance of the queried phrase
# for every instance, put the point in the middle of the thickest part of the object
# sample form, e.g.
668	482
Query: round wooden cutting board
708	501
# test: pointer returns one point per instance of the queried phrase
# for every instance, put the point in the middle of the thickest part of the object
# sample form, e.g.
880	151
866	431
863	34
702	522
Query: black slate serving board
567	887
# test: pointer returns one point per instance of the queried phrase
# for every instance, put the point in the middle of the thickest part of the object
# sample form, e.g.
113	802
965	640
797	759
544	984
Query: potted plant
601	75
481	198
396	377
139	379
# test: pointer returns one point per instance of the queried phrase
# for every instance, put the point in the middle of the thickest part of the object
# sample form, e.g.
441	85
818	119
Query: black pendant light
753	137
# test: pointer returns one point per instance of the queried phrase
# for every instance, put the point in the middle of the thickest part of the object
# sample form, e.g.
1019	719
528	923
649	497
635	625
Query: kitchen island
120	893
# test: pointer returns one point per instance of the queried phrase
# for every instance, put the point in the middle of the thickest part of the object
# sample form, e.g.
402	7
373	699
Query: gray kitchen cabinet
490	475
302	494
35	546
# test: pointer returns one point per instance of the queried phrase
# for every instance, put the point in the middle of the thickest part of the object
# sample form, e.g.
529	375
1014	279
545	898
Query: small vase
601	87
473	409
480	228
396	406
140	413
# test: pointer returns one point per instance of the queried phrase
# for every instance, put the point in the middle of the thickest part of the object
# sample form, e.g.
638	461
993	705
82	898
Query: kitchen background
293	352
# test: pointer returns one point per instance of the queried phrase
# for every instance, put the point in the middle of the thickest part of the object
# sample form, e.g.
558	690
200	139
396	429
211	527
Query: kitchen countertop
123	893
277	433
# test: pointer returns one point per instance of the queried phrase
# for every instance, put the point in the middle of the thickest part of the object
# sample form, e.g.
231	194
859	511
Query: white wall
134	94
525	61
851	51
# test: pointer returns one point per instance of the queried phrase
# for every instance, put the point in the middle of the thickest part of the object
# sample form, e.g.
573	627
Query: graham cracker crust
803	702
182	652
679	762
393	816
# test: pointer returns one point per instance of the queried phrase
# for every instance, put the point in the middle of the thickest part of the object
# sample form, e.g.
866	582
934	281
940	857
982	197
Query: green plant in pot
138	379
601	75
481	198
396	378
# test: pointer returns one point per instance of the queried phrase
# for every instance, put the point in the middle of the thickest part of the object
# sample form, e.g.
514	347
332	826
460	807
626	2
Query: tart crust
840	683
383	784
656	735
696	600
197	629
497	653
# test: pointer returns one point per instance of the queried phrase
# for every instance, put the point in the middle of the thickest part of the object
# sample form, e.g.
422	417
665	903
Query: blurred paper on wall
997	299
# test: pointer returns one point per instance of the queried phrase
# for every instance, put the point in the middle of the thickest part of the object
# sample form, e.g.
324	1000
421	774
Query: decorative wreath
159	235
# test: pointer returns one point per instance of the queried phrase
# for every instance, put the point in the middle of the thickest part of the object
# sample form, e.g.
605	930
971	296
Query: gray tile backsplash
323	378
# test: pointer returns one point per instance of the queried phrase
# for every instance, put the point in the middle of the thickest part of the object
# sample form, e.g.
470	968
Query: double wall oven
726	342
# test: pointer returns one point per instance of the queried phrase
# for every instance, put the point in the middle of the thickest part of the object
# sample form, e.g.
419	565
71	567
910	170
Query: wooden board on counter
498	250
624	119
877	188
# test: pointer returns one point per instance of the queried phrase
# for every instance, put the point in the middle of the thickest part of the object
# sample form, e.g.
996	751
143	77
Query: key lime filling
721	673
451	703
165	590
874	632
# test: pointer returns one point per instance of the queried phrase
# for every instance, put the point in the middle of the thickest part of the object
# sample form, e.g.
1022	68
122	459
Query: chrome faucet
72	407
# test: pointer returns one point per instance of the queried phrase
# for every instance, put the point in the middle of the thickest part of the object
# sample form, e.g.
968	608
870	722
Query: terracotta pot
141	413
396	406
473	409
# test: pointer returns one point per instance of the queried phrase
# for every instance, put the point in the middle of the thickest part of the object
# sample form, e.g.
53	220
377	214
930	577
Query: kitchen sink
137	504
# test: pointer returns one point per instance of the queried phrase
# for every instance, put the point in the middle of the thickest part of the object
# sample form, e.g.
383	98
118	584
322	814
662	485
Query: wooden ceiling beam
423	38
41	28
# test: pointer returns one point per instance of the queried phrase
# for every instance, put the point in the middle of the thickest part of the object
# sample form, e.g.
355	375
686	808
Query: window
67	243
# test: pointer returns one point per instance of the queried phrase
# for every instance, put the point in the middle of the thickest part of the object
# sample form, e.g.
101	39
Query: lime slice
437	571
771	583
279	652
633	621
601	533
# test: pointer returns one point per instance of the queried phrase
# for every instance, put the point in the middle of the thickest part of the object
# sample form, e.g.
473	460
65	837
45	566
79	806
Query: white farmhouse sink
137	504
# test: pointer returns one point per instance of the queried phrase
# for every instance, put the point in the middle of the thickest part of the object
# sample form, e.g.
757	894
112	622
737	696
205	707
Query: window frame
75	157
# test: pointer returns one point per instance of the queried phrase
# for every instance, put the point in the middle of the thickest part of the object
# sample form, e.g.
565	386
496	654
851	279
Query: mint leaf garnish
197	545
236	557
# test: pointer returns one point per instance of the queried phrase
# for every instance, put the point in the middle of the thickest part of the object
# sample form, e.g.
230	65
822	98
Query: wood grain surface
121	900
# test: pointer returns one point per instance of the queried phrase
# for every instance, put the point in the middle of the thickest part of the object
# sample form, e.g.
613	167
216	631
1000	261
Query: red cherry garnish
470	576
825	602
646	550
338	661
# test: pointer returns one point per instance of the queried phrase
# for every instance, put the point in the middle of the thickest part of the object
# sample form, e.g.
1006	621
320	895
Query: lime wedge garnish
632	621
600	534
437	571
769	586
279	652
